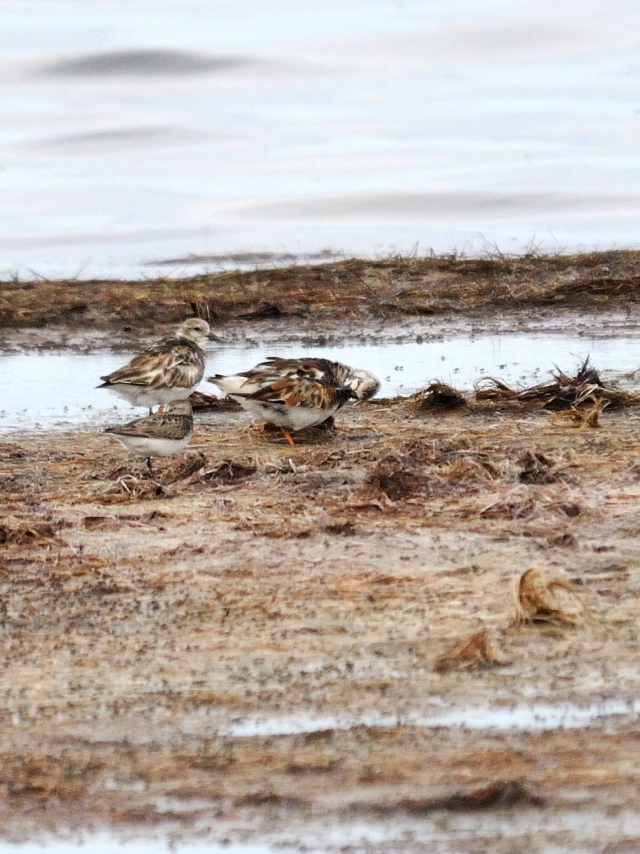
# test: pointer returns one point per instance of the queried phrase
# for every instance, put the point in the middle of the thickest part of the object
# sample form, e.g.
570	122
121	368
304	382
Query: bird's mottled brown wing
160	425
275	367
172	363
298	391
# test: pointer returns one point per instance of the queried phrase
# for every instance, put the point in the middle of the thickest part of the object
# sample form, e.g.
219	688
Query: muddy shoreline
249	645
144	623
345	291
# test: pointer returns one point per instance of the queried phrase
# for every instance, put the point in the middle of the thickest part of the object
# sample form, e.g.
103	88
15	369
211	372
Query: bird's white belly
153	447
292	417
145	396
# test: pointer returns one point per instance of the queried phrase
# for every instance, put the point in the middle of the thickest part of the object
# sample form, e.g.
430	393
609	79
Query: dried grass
499	794
464	470
532	504
396	481
544	598
129	488
438	396
348	288
183	467
566	392
22	535
228	472
536	468
472	652
586	418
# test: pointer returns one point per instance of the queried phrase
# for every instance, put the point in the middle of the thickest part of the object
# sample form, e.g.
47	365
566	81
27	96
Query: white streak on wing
235	383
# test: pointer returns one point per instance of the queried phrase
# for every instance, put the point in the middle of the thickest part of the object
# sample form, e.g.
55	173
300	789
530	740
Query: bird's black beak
212	337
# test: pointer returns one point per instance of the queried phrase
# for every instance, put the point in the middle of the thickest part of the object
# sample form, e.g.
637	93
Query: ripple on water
142	62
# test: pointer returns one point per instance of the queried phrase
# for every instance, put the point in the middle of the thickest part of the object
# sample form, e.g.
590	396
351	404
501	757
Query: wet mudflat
271	648
249	646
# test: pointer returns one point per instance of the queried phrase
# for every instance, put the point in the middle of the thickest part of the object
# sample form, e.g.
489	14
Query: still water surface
58	390
142	138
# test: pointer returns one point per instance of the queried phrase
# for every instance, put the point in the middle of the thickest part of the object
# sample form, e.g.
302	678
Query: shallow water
105	843
554	830
141	138
537	717
58	390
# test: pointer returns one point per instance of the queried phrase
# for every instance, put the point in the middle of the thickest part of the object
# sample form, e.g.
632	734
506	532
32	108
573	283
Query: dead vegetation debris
564	393
438	395
469	469
476	651
28	533
228	472
224	603
565	540
202	402
537	468
349	288
128	488
532	504
500	794
10	450
182	468
396	481
585	418
544	598
340	529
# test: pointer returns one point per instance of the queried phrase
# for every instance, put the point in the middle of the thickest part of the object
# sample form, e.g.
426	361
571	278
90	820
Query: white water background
140	138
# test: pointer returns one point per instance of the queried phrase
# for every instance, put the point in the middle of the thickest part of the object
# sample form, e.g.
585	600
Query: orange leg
287	435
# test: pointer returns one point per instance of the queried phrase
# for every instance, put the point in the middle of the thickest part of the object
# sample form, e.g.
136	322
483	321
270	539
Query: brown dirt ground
141	618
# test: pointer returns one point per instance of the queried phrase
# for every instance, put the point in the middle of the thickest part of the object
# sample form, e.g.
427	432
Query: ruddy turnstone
297	393
168	370
158	435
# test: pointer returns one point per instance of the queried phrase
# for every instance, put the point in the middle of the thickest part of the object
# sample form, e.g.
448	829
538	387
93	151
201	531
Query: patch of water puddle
58	390
538	717
445	833
104	843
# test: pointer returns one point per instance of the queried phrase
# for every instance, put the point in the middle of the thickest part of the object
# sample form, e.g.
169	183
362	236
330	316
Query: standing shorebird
168	370
158	435
297	393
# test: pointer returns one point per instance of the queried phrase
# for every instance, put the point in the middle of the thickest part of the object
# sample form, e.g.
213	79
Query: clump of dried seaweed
534	503
228	472
565	392
184	467
129	488
499	794
472	652
585	418
469	470
536	468
26	534
395	480
201	402
438	396
544	598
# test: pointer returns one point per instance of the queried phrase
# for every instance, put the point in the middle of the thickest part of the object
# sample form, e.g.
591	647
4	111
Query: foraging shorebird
297	393
168	370
158	435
